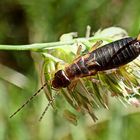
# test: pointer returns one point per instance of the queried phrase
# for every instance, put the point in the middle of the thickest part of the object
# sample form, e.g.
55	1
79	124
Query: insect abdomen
114	54
109	56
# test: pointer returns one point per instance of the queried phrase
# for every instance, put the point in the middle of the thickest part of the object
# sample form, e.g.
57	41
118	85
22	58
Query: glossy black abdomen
114	54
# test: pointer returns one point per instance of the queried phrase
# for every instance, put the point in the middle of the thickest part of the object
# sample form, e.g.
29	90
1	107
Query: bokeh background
31	21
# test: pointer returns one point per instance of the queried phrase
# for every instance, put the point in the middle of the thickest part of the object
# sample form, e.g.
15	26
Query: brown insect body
107	57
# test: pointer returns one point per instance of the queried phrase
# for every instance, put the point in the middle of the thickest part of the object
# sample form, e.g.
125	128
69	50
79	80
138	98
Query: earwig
109	56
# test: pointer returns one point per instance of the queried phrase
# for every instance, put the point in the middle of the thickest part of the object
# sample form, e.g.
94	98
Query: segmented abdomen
107	57
114	54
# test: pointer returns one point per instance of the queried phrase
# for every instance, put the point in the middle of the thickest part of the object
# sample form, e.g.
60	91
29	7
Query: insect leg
79	50
111	71
92	62
97	44
72	86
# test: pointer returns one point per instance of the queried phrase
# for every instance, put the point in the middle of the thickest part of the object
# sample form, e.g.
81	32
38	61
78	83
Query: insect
109	56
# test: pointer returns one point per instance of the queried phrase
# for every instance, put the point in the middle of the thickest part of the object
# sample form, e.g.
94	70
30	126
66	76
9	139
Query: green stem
42	46
35	46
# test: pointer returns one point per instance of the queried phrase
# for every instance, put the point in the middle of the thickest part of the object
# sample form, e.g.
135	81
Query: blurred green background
30	21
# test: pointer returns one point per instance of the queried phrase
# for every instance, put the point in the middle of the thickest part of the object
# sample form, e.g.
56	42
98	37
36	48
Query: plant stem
35	46
38	46
43	46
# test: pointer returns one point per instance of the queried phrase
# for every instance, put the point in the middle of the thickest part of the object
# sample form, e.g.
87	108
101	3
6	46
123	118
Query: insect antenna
50	102
31	98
